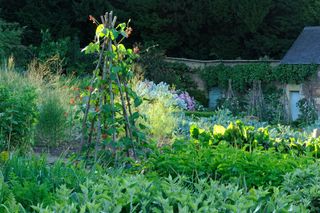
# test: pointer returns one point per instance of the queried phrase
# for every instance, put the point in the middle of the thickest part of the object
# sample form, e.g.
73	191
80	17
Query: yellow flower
4	156
218	130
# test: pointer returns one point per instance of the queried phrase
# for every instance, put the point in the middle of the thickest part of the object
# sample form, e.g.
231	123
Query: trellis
109	92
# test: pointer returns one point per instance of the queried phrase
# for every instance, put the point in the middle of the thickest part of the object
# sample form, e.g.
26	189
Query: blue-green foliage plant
151	91
161	107
139	194
304	185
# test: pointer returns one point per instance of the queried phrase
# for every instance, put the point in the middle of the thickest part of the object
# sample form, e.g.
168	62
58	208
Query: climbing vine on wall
243	76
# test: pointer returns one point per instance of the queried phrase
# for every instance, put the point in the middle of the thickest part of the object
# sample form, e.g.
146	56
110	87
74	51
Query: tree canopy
203	29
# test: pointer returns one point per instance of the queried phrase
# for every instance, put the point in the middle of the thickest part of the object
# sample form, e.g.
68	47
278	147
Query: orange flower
91	18
128	31
72	101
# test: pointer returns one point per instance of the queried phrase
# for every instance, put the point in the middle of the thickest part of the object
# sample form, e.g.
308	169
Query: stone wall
312	88
193	63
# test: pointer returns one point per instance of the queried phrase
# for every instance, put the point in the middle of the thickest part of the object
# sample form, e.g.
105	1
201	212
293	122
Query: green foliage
37	105
109	113
179	75
308	112
199	96
158	70
52	123
138	194
49	48
258	81
10	40
31	181
274	109
242	76
226	163
200	114
304	184
75	189
222	30
66	49
249	138
17	112
160	108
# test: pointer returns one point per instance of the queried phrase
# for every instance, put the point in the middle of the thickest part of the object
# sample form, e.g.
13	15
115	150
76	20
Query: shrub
158	70
199	96
17	111
308	112
49	48
67	49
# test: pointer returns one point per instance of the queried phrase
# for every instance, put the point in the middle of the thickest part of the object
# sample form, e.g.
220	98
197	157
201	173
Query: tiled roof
306	49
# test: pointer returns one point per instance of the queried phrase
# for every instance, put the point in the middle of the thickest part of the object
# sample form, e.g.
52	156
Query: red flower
136	50
89	88
91	18
104	136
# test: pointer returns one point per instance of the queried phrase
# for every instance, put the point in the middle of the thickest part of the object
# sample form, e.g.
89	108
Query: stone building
305	50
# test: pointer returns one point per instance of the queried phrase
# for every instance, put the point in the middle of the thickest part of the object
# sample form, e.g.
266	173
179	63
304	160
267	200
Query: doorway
294	97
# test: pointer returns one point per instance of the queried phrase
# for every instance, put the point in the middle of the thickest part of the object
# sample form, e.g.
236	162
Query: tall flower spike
91	18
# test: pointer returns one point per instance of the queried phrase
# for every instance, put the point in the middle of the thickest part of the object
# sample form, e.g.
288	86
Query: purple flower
190	102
